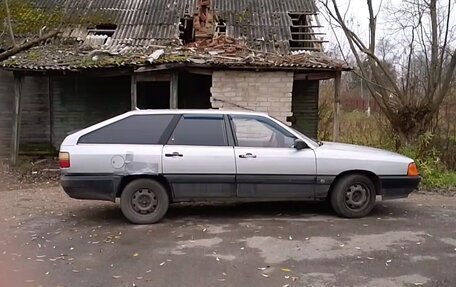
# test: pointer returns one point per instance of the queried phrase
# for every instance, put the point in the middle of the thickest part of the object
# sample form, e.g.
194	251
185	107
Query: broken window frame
303	36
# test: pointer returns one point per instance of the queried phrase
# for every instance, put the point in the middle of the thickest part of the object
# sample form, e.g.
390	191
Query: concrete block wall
269	92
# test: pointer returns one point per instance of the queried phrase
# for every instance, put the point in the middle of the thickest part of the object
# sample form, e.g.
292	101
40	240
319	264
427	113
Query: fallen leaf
262	268
265	275
135	254
341	245
286	285
286	270
221	279
163	263
116	276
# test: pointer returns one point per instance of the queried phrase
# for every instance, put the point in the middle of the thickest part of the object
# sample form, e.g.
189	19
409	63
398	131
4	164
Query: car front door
268	166
198	159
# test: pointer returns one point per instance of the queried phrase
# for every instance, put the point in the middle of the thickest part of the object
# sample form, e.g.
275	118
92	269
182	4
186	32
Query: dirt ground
48	239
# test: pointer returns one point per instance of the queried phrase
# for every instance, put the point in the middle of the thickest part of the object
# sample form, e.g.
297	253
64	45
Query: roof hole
186	31
103	29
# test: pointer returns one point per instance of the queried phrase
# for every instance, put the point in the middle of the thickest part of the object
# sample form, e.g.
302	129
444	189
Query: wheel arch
159	178
371	175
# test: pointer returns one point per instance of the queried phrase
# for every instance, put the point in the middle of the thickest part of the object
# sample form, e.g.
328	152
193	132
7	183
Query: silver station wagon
150	159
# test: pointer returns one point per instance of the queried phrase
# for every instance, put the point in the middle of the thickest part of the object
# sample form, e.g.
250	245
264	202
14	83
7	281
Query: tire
353	196
144	201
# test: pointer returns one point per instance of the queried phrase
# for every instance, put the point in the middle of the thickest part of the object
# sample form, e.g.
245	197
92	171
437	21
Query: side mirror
299	144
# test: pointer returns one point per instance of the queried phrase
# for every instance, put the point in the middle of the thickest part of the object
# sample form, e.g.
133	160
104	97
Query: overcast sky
357	16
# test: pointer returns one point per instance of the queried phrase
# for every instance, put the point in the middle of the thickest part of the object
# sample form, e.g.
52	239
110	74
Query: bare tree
409	94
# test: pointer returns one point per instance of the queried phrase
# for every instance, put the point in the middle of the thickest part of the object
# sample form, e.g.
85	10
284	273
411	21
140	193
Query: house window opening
302	32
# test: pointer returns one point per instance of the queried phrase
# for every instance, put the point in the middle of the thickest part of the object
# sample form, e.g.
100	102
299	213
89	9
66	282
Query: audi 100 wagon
150	159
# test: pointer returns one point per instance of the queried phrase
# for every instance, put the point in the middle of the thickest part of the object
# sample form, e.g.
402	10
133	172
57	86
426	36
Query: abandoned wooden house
263	55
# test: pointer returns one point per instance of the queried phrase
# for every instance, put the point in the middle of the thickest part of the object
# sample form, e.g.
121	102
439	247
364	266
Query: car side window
137	129
257	132
200	130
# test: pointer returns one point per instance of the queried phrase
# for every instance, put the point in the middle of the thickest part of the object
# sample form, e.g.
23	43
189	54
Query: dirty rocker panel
275	186
96	186
202	185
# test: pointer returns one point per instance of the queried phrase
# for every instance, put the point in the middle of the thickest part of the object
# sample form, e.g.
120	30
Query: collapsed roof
251	33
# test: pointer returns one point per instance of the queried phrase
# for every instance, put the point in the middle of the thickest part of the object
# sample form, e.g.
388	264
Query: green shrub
375	131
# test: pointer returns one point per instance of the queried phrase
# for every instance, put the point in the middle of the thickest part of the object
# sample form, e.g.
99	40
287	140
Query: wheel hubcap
357	197
144	201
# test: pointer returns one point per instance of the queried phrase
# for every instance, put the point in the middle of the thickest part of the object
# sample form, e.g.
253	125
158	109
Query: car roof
193	111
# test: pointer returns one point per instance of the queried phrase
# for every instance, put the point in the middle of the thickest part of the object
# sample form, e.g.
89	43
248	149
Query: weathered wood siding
35	122
79	102
53	107
6	109
305	107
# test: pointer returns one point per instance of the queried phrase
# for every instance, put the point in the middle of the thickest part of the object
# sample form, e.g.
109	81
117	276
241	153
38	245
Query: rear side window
201	130
139	129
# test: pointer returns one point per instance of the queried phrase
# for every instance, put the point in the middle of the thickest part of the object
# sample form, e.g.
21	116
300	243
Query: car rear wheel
144	201
353	196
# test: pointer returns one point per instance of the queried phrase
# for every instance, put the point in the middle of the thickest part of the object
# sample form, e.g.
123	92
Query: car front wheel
353	196
144	201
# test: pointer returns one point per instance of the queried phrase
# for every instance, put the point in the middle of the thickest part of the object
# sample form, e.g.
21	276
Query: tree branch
28	45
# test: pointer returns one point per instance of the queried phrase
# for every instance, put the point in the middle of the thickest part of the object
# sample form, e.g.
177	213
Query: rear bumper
95	187
393	187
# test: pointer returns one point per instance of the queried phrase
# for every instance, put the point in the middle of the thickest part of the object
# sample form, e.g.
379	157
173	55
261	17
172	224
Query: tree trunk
411	123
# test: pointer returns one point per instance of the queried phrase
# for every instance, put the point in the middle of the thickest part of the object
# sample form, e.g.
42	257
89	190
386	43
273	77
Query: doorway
194	91
153	95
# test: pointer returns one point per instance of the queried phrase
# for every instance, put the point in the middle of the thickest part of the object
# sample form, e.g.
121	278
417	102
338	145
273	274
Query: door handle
247	155
174	154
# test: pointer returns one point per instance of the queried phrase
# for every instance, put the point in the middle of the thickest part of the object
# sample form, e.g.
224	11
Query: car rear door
268	166
198	160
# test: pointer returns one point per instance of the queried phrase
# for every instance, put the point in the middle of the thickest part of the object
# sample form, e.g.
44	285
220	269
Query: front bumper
95	187
393	187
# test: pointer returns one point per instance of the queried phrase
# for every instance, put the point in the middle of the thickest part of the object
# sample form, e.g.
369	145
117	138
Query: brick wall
260	91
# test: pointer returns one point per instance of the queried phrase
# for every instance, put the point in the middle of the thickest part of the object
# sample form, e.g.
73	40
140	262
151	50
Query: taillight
64	159
412	170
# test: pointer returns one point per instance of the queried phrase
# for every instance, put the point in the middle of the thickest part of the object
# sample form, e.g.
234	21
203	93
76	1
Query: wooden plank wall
305	106
6	109
79	102
35	122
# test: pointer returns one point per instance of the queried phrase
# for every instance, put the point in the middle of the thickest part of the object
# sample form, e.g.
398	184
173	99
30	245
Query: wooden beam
174	91
153	77
314	76
51	112
133	93
336	122
16	131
